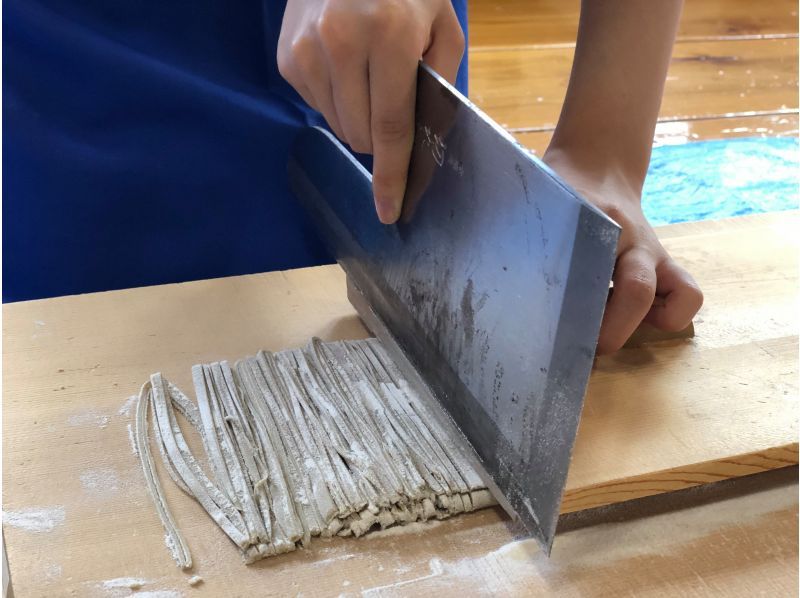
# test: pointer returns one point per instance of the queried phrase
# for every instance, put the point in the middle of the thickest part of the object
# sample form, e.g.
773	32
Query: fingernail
388	210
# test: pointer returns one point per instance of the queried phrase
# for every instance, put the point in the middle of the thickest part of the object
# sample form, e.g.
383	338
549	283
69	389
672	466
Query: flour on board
130	583
88	418
100	481
35	520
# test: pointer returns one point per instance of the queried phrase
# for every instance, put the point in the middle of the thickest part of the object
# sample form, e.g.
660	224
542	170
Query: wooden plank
714	387
678	478
722	404
524	89
507	23
701	129
738	546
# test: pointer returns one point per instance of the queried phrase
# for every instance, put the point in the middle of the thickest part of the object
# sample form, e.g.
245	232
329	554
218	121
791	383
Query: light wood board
698	404
656	419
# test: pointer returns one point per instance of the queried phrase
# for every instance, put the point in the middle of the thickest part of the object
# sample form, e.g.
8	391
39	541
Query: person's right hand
649	285
355	61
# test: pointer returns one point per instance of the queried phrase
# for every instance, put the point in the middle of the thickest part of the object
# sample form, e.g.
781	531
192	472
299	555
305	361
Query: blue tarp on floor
719	179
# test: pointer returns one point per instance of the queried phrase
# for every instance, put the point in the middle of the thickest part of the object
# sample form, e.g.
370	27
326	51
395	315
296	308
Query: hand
648	284
355	61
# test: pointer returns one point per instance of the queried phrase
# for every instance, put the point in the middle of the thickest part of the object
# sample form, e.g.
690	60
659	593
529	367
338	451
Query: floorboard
513	23
523	89
700	129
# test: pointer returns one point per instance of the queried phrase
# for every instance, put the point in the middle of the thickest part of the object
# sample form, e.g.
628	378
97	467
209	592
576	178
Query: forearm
614	95
601	147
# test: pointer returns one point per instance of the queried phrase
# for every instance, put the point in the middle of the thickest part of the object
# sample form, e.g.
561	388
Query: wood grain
658	418
700	129
678	478
744	331
523	89
507	23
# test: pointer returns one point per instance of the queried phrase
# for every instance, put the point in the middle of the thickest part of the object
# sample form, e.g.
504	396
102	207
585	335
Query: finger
287	66
351	101
319	86
393	83
446	48
680	295
307	72
349	75
634	290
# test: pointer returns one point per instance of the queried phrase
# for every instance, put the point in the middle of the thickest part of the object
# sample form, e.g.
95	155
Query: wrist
593	168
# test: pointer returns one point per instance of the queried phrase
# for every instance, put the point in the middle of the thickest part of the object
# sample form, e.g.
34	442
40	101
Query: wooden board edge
679	478
722	226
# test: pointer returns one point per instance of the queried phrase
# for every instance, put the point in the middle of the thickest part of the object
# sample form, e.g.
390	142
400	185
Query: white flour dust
128	406
497	573
415	528
52	571
130	583
100	481
35	520
89	418
324	562
397	588
132	440
502	571
132	586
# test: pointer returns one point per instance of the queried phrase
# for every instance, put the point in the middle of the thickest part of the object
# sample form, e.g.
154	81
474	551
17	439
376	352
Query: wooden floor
733	72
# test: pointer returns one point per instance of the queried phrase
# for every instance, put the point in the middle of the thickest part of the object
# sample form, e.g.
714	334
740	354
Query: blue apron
145	143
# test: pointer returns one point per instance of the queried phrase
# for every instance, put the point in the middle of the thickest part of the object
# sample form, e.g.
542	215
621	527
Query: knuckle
694	296
459	41
689	291
640	287
332	32
389	16
391	129
611	210
285	66
681	315
303	53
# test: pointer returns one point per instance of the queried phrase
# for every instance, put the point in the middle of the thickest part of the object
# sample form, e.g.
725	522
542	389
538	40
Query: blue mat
718	179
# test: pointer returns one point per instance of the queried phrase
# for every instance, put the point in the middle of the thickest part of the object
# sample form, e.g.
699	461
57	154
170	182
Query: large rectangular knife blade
489	291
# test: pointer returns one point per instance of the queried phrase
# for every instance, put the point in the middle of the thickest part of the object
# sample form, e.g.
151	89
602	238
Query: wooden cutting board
657	418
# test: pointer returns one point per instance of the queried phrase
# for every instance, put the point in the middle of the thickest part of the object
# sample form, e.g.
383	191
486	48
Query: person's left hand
648	284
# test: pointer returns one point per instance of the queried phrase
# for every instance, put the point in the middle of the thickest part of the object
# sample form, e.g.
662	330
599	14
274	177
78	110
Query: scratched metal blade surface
492	284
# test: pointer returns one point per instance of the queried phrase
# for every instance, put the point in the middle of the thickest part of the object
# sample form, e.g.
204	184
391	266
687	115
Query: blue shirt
146	143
